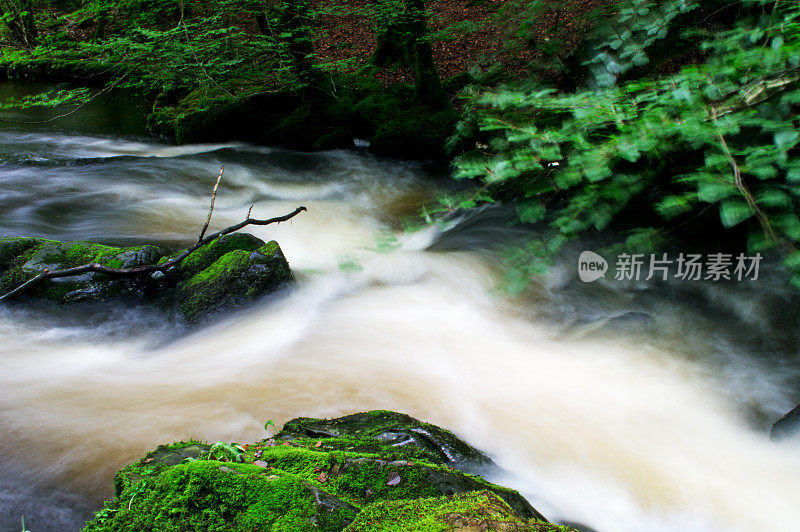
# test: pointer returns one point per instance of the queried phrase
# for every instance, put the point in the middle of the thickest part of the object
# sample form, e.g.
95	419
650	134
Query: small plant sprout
231	452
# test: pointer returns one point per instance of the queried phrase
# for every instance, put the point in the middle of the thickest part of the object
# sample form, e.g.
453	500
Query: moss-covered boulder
236	277
228	272
380	430
302	480
23	258
473	511
418	133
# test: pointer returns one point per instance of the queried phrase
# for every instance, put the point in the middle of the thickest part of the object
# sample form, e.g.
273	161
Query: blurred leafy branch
721	132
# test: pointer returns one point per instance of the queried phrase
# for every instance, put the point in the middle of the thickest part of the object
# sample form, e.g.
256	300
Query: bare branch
150	268
211	208
21	288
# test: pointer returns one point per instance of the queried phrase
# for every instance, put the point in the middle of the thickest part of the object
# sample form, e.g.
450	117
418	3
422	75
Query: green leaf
734	211
530	211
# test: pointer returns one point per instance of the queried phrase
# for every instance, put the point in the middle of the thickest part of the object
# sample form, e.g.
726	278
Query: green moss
23	258
379	108
229	265
384	430
11	248
418	133
363	478
210	253
212	495
481	510
236	277
298	485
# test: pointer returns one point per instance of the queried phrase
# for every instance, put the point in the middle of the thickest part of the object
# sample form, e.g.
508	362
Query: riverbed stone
788	426
231	271
305	480
23	258
379	430
237	277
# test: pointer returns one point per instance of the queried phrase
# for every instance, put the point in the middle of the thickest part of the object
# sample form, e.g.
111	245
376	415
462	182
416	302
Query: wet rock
230	271
23	258
383	430
475	511
631	322
423	479
334	486
235	278
206	495
418	133
788	426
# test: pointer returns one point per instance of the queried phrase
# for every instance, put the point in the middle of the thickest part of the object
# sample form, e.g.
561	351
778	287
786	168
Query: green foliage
53	98
211	51
638	24
722	133
231	452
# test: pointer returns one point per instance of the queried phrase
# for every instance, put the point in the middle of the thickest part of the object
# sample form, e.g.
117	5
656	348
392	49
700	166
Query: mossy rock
204	117
230	271
213	251
384	430
379	108
298	484
418	133
478	510
23	258
212	495
454	84
338	138
234	278
317	124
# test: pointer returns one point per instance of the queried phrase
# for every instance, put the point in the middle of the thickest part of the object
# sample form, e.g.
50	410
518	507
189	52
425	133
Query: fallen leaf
319	444
261	463
258	453
148	460
393	480
323	477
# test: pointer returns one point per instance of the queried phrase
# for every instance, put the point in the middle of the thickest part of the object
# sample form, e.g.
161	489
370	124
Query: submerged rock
788	426
315	475
230	271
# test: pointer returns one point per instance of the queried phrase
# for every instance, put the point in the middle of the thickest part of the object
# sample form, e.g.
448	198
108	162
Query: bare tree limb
211	208
150	268
21	288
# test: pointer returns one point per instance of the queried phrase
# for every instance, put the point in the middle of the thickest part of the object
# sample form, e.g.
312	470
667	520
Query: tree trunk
407	44
19	20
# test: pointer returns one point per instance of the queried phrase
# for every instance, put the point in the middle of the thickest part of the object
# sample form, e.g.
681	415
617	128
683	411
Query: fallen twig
95	267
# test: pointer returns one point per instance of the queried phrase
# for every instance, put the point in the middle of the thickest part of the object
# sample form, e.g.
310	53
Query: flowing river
628	409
